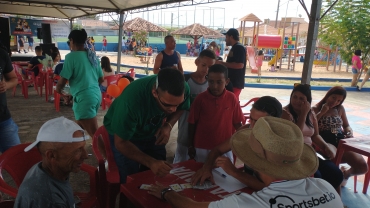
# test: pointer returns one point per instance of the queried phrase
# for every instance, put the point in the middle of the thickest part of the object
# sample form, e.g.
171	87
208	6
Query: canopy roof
67	9
250	18
139	24
197	30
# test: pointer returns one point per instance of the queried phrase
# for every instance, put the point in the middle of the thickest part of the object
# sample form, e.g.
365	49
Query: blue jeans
104	48
102	88
9	135
329	172
127	166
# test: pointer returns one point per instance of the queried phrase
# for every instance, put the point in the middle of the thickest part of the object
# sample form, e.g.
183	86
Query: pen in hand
220	174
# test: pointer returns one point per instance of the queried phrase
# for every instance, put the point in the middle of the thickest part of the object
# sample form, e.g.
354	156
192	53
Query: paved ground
31	113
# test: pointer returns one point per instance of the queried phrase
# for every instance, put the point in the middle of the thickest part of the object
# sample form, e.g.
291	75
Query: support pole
335	58
313	28
120	41
295	45
277	14
71	24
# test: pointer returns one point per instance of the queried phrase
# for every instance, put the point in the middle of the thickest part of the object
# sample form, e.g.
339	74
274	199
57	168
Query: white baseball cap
58	130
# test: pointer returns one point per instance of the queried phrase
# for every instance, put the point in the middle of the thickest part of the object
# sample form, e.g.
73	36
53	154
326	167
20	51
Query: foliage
140	36
347	26
76	26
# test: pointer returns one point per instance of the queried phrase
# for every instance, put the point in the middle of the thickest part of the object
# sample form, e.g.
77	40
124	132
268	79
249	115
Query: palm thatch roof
250	18
197	30
139	24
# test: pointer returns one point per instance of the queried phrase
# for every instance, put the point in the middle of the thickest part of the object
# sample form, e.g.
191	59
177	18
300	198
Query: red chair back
17	163
247	115
112	79
131	72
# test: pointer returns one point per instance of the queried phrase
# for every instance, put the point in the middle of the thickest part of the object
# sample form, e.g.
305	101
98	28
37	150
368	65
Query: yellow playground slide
279	53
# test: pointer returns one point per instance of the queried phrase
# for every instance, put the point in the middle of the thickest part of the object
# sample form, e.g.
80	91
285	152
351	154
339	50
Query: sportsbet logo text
313	202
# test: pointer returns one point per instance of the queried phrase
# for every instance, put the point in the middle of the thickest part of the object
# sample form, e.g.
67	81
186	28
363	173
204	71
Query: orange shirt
214	118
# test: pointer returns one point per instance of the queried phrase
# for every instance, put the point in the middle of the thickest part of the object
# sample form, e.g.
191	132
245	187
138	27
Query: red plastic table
360	145
181	173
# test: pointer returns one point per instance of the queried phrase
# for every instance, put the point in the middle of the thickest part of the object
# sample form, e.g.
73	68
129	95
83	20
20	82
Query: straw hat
275	147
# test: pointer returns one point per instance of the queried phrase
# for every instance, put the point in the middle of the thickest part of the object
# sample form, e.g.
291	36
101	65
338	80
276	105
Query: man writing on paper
284	169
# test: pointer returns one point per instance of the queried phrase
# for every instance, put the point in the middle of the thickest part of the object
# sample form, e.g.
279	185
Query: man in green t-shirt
136	126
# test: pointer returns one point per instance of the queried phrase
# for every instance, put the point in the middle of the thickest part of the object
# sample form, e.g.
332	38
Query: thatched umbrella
196	31
139	24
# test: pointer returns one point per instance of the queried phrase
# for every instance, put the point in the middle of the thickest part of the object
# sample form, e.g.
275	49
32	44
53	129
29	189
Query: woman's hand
348	132
305	108
330	152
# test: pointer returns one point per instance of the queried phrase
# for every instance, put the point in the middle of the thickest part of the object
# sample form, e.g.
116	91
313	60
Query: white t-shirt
308	192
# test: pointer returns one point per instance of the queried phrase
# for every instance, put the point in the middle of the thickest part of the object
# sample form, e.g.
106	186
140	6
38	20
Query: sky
222	14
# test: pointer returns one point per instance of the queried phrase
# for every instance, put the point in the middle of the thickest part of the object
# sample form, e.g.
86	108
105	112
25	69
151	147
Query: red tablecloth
181	173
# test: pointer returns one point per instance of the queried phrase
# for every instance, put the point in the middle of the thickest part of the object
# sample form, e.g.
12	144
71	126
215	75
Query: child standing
259	59
214	115
107	71
197	82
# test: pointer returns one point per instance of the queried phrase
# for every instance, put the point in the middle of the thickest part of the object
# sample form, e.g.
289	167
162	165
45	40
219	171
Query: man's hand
191	152
163	135
156	190
201	175
225	163
160	168
2	86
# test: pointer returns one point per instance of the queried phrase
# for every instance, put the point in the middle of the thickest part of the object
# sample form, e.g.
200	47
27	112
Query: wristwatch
164	191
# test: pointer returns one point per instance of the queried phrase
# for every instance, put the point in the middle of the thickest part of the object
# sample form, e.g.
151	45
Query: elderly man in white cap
61	143
275	150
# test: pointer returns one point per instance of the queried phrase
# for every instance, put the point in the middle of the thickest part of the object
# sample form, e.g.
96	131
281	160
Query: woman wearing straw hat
299	112
284	169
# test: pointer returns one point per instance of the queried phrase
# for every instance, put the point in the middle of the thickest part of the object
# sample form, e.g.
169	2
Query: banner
20	26
27	27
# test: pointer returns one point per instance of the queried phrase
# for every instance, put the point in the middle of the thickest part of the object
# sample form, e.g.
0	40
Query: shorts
30	44
354	71
21	44
86	106
188	50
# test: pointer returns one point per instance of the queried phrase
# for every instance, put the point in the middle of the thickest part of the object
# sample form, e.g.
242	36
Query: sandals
345	180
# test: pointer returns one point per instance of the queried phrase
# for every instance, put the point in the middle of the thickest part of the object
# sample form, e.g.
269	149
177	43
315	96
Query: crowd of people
278	145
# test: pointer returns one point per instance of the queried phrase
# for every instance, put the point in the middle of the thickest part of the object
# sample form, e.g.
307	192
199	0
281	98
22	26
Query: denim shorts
354	71
30	44
9	135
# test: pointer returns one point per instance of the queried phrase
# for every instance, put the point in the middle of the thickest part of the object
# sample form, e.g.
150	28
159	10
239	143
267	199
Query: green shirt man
135	121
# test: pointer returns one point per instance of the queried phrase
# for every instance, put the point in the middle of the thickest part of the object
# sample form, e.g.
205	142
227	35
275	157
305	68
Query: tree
140	36
347	26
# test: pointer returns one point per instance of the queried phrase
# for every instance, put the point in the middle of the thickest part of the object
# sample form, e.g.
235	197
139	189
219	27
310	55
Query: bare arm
101	80
347	128
130	151
157	63
163	134
319	141
176	200
179	65
238	125
10	80
320	112
60	85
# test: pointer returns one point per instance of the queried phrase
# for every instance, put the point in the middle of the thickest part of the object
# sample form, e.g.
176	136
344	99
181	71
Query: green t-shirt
135	114
82	76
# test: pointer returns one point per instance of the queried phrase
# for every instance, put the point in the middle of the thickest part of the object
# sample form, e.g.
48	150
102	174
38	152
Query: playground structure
327	59
282	42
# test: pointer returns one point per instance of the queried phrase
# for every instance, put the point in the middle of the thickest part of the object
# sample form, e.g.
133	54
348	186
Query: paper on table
229	183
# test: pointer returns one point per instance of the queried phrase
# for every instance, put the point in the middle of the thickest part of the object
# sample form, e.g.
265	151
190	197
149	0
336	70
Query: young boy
197	82
214	115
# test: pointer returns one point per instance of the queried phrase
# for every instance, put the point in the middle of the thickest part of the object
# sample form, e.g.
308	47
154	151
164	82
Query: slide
251	59
272	61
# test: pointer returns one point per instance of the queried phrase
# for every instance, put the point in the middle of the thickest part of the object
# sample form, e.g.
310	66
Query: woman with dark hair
82	70
356	67
299	112
107	71
334	126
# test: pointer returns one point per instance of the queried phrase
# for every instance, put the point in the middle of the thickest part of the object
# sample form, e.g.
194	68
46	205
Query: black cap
269	105
234	33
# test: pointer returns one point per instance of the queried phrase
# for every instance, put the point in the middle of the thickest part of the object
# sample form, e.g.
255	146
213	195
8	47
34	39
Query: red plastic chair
113	79
23	83
38	81
131	72
17	163
107	101
247	115
109	179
